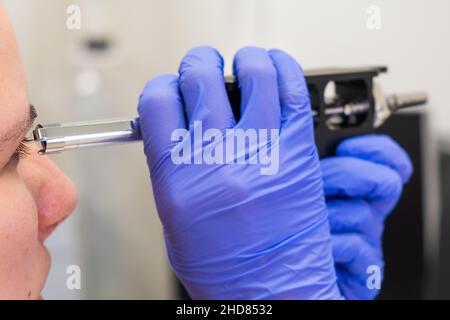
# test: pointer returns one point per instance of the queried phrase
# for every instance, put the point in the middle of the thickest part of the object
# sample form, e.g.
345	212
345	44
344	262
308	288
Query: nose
54	192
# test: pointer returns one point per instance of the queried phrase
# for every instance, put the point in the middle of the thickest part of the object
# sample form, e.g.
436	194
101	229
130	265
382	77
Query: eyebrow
21	127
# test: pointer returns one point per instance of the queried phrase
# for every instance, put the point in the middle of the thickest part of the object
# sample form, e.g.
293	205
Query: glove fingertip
197	56
406	170
381	149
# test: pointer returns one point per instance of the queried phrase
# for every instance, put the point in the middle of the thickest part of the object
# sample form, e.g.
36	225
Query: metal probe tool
56	138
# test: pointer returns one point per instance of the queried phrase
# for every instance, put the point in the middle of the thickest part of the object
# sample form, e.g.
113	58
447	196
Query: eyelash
22	150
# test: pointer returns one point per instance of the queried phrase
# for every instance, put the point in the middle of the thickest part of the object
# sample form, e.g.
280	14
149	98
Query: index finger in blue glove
296	123
293	91
202	86
348	177
160	112
380	149
257	79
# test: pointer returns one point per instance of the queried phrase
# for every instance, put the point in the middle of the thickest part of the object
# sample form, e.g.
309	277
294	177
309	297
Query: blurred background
98	71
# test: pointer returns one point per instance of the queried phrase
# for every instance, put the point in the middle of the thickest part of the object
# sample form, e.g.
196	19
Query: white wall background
115	235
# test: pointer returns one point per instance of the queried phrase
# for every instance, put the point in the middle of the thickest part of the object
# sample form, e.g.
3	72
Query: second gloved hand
362	183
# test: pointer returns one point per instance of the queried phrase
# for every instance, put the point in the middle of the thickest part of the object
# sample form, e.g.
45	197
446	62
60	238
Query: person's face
34	195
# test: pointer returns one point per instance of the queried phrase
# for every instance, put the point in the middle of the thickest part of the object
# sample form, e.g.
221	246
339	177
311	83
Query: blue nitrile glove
240	231
362	184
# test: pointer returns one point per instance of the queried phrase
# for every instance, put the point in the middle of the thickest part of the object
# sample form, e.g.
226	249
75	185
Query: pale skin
35	196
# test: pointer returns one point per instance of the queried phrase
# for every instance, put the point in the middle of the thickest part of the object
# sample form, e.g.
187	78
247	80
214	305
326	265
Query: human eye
23	149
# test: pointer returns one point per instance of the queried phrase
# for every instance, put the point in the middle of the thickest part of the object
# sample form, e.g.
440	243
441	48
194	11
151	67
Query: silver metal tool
386	105
55	138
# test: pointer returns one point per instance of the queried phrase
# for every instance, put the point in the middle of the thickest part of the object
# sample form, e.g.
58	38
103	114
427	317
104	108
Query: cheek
23	260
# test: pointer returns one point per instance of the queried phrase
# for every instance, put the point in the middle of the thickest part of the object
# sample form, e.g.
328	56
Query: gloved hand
363	183
237	231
